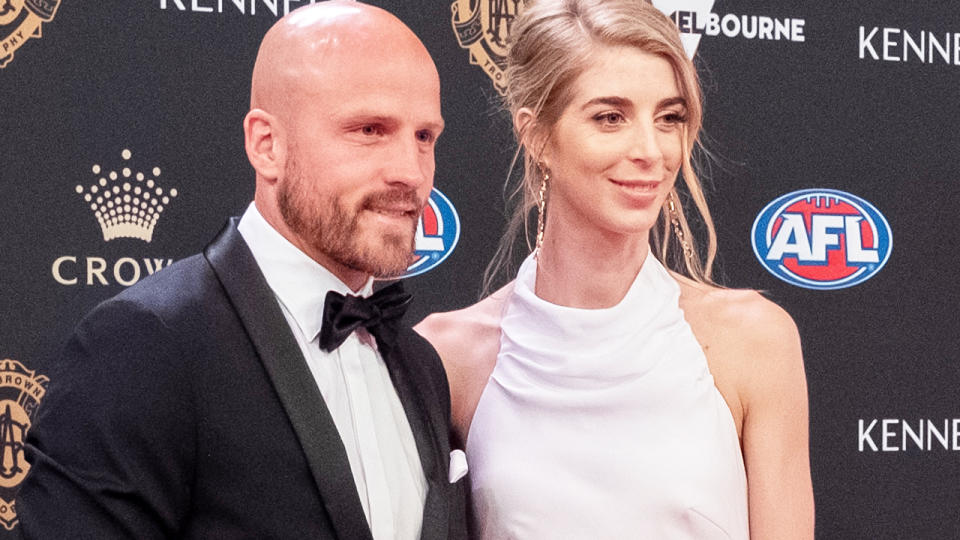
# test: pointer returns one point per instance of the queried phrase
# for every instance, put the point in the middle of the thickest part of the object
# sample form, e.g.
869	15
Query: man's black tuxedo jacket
184	408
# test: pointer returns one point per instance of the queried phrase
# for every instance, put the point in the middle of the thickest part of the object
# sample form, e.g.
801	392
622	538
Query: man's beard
333	230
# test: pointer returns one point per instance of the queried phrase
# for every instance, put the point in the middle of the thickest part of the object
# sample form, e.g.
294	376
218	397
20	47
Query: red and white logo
822	239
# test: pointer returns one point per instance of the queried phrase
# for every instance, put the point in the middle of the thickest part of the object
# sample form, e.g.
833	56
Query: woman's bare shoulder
468	341
467	335
751	343
745	314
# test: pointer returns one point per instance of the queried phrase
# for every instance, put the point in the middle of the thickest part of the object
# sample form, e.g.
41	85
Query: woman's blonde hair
550	45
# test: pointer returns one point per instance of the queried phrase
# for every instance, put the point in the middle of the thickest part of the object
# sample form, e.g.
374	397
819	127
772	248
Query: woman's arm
467	341
753	349
773	391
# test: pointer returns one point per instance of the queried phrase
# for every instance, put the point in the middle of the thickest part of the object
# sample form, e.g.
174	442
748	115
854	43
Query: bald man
258	390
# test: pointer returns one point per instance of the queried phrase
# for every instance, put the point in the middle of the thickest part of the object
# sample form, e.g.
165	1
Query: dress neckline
589	343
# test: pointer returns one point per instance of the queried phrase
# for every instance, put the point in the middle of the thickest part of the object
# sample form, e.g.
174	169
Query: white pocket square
458	465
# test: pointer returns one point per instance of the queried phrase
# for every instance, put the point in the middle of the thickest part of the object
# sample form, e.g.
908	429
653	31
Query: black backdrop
846	108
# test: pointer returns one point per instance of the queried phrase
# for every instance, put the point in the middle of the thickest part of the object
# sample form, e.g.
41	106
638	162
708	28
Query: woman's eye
610	118
674	118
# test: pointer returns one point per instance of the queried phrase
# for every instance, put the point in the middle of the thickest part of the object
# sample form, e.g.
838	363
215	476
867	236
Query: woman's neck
584	267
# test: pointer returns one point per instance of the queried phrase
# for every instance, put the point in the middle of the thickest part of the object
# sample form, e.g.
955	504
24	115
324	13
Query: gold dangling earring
677	230
541	207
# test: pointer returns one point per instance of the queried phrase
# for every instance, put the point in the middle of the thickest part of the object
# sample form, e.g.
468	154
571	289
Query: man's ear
530	135
265	142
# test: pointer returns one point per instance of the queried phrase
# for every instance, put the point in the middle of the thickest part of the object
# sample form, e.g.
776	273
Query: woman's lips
637	185
638	191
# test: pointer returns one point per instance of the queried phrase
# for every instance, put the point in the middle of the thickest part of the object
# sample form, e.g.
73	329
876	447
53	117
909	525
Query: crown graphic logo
125	203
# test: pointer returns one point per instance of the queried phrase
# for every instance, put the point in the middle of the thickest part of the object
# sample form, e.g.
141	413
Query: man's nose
410	163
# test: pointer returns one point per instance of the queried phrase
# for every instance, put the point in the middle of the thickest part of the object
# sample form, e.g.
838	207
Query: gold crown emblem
127	204
21	391
21	20
482	27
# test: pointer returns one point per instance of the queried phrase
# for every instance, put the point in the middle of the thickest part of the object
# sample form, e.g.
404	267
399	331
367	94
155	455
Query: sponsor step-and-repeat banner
830	131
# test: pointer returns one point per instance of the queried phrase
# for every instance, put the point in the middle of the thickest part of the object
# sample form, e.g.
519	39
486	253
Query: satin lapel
281	356
405	378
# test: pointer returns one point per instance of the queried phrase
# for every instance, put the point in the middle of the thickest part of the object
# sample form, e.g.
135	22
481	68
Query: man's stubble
334	230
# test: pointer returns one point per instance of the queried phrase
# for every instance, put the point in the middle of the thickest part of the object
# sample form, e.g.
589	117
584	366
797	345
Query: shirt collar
299	282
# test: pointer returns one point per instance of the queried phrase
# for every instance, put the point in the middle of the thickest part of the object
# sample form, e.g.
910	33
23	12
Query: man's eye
371	130
426	136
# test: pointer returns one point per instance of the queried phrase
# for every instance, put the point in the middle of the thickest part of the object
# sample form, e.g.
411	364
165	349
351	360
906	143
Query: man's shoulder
167	303
192	278
180	317
189	275
189	282
151	296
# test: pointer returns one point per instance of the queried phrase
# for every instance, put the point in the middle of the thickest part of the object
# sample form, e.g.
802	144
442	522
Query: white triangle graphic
700	7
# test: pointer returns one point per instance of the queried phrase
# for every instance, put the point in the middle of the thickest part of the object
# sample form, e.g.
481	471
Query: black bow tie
380	314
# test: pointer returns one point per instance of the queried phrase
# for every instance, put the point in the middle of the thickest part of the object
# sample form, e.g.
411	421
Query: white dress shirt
354	382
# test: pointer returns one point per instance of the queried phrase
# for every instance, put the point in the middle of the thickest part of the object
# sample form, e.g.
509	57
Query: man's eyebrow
361	117
436	127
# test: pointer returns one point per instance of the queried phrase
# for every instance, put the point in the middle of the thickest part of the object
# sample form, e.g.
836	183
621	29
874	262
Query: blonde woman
612	390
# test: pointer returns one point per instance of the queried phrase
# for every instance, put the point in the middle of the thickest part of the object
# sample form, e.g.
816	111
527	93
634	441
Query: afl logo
437	234
822	239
